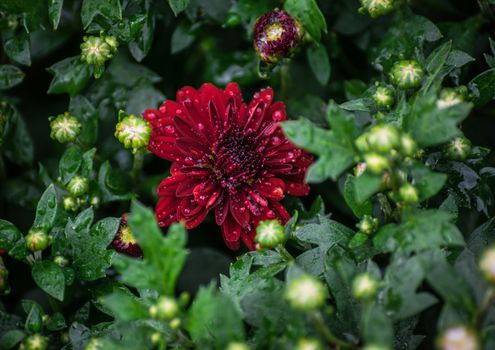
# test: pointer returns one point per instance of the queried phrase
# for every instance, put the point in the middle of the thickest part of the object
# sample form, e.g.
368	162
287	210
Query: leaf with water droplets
50	278
47	209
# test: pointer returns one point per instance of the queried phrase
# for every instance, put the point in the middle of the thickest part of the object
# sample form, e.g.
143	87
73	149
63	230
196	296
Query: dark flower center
236	159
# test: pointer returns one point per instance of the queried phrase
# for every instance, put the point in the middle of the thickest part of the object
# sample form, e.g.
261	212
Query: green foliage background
426	257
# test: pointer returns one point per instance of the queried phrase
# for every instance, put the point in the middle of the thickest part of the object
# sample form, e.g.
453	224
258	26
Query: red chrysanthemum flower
124	241
228	157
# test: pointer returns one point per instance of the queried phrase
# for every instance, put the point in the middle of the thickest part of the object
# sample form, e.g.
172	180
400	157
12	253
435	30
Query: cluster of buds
96	50
276	36
364	287
376	8
458	149
34	342
306	293
406	74
64	128
79	197
368	225
270	233
165	309
308	344
487	265
37	240
133	132
384	97
451	96
124	241
458	338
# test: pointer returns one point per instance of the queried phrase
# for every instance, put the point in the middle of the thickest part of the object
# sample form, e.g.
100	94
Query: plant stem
326	333
485	304
285	253
137	164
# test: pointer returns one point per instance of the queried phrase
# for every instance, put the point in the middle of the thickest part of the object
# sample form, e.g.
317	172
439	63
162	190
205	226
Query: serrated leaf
69	164
17	47
50	278
9	235
359	208
110	9
70	76
10	76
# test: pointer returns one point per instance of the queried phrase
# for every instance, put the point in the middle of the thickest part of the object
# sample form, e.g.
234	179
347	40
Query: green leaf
124	305
87	163
427	182
10	76
482	87
164	256
319	63
50	278
113	184
181	38
377	327
359	208
110	9
70	76
308	12
9	235
34	13
141	45
87	115
34	319
430	125
18	145
69	163
365	185
142	97
11	338
419	231
17	47
47	209
213	319
54	12
178	6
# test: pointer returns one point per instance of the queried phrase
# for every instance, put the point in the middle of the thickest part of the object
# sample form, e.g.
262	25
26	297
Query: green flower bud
95	50
458	338
95	201
362	143
270	233
487	264
175	323
368	225
78	186
384	97
156	338
376	163
70	203
308	344
164	309
449	97
408	194
37	240
233	20
383	138
458	149
34	342
305	293
133	132
64	128
408	146
406	74
364	286
60	261
376	8
94	344
112	42
237	346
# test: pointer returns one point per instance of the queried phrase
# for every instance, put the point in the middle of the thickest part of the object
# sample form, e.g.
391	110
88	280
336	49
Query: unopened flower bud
133	132
305	293
237	346
95	201
383	138
78	185
94	344
458	338
376	163
34	342
408	146
362	143
406	74
175	323
487	264
308	344
60	261
95	51
37	240
276	35
70	204
449	97
384	97
368	225
124	241
364	286
458	149
164	309
64	128
408	194
270	233
112	42
156	338
376	8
